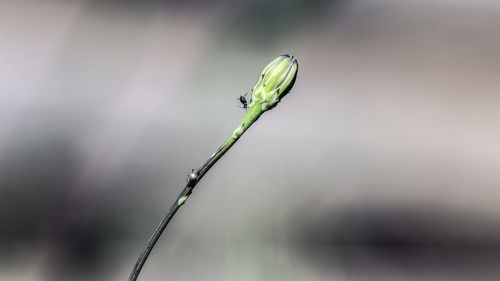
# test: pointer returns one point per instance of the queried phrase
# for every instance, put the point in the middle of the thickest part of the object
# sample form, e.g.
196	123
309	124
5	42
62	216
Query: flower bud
275	82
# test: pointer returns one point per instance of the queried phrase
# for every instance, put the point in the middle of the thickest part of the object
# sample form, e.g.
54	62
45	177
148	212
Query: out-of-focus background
383	163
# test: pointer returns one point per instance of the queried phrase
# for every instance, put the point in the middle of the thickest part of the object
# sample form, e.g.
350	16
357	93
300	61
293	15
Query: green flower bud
275	82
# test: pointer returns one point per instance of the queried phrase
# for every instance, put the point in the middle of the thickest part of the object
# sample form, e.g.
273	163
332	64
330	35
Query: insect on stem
275	82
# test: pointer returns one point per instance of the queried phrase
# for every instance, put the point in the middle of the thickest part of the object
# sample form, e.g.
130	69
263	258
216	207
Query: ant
244	101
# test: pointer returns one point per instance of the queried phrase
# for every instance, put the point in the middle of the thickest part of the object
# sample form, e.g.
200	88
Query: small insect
244	101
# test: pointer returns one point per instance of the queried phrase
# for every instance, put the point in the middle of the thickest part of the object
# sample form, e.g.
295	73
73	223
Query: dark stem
252	115
156	235
198	174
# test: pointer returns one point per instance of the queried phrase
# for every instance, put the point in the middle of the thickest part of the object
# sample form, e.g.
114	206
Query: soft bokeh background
382	164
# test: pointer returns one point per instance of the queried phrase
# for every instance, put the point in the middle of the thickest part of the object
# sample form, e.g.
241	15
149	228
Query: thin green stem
252	115
274	83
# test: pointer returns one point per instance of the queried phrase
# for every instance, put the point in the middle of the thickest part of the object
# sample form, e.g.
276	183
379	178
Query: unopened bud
275	82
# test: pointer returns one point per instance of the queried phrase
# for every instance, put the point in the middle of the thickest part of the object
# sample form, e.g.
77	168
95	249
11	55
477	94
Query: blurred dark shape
84	247
35	174
409	241
262	23
258	23
151	5
81	223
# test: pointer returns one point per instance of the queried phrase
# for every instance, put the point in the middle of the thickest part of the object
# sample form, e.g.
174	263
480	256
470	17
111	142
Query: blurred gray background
381	164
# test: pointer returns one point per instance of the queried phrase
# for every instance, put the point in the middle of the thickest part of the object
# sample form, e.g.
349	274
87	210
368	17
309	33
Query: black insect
244	101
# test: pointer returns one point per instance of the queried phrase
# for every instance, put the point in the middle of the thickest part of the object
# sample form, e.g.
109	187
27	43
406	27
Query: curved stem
252	115
156	235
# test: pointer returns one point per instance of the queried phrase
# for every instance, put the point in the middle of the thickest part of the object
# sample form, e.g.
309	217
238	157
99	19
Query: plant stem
251	116
274	82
